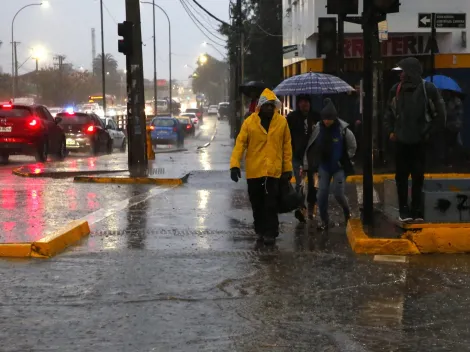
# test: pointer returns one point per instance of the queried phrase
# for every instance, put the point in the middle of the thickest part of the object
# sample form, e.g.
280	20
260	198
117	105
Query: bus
98	99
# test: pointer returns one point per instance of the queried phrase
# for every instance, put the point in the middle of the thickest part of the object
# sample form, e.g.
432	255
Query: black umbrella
253	89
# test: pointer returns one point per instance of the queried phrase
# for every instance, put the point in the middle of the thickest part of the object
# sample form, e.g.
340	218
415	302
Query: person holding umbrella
266	138
301	123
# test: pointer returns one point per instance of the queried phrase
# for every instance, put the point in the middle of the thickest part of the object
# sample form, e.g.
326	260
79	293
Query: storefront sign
410	45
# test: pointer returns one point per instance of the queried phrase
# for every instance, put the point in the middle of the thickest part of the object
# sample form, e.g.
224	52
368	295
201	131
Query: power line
214	17
109	13
188	10
194	20
203	16
266	32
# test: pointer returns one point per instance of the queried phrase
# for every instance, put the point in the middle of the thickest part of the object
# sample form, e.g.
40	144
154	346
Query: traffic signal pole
238	73
368	108
131	46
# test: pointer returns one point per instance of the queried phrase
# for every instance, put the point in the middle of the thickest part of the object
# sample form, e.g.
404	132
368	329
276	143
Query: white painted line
391	258
360	192
102	214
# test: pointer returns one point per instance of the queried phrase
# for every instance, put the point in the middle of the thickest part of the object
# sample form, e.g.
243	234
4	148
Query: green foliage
210	79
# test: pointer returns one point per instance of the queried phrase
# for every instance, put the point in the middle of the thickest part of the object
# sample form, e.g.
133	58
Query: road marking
102	214
360	191
391	258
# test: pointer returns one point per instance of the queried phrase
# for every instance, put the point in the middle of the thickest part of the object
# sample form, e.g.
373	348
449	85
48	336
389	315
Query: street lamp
155	54
14	62
202	59
38	54
214	47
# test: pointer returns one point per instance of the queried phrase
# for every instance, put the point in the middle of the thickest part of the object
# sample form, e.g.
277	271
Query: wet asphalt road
179	270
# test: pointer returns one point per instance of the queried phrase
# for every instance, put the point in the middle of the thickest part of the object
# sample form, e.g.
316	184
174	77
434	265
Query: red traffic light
125	30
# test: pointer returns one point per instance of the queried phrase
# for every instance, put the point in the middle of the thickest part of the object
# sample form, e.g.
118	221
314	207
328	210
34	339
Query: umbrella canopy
253	88
445	83
313	83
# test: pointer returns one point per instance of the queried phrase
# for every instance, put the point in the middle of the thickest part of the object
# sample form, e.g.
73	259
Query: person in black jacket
410	120
301	123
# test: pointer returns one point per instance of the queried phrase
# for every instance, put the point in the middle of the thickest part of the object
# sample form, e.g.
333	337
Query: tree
209	79
263	41
110	65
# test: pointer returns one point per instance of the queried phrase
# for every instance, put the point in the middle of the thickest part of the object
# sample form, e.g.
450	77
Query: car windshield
76	119
164	123
189	115
192	110
15	112
213	107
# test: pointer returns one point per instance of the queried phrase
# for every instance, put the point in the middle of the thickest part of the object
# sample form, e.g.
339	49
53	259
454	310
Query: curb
133	180
63	174
363	244
428	238
211	140
381	178
171	151
50	245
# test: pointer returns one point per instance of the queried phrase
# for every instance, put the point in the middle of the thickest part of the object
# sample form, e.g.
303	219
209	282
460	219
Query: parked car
193	118
198	113
213	110
30	130
166	130
187	125
224	110
85	133
116	133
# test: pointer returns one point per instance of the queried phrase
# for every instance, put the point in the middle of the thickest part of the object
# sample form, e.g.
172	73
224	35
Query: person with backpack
329	151
415	111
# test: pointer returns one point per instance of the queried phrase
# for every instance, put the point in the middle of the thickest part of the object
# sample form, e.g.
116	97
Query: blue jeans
339	182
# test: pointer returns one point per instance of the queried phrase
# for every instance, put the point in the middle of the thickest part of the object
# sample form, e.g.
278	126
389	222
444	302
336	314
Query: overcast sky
65	28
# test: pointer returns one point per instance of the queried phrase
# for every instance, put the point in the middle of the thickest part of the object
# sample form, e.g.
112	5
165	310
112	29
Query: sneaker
300	215
322	225
405	215
311	212
418	216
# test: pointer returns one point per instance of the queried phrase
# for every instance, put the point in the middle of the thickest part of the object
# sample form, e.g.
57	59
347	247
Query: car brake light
33	123
152	128
7	106
188	126
90	129
175	129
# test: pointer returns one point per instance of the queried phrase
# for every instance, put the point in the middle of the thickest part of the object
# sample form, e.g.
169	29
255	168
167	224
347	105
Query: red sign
409	45
162	82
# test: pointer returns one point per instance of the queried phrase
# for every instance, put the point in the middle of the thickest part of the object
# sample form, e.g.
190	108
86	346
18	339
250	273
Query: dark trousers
312	191
264	198
410	160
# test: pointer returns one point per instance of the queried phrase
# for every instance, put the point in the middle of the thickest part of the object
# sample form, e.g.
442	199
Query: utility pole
131	46
155	88
103	68
239	68
15	78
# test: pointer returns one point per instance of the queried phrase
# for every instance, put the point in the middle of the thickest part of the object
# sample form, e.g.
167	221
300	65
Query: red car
30	130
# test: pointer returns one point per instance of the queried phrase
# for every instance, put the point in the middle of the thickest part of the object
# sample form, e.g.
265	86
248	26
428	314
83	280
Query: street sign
442	20
383	31
289	48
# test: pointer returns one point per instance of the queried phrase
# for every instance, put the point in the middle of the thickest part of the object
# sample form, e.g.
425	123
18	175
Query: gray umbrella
313	83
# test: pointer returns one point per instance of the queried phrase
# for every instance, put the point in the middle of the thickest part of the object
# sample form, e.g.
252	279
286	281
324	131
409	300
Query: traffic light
327	36
386	6
342	7
125	30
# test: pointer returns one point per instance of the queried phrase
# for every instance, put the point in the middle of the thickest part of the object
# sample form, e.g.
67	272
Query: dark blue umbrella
445	83
312	83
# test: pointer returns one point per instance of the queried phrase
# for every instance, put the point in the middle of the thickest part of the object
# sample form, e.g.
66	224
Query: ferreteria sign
407	45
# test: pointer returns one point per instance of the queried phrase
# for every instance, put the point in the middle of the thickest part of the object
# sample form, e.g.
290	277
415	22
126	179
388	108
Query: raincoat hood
412	68
266	97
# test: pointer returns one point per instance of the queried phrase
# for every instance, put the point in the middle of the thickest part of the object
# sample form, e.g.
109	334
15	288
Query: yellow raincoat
268	154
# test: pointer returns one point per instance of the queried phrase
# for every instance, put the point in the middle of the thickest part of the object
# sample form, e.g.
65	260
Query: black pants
312	191
264	198
410	160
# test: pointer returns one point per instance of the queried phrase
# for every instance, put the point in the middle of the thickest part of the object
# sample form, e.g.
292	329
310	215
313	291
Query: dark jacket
405	115
301	128
312	158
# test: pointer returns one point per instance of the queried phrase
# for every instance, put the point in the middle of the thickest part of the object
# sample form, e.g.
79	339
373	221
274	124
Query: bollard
150	152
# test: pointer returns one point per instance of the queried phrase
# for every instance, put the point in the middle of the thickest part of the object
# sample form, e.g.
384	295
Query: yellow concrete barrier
59	240
150	152
15	250
441	239
131	180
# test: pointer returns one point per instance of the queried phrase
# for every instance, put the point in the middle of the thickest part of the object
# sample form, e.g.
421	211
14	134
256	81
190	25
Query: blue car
166	130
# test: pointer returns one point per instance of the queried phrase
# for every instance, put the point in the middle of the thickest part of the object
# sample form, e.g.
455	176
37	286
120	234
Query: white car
193	118
55	111
116	133
213	110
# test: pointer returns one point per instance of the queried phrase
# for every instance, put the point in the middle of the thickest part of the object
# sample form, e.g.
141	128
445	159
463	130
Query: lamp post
103	73
14	62
170	85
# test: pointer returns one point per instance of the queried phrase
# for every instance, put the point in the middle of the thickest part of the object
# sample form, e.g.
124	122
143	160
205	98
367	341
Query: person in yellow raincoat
265	136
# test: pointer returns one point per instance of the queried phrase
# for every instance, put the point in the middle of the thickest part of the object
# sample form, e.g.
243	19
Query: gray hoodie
405	115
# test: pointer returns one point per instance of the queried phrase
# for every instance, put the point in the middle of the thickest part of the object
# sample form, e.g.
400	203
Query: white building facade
405	38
